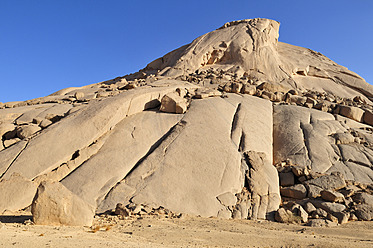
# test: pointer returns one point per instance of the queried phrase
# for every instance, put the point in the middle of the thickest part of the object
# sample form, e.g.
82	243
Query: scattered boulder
286	216
26	131
10	142
363	198
333	181
368	117
330	207
173	103
45	123
313	191
54	204
364	212
297	191
342	217
79	95
299	211
309	207
321	212
332	196
321	223
248	89
120	209
353	113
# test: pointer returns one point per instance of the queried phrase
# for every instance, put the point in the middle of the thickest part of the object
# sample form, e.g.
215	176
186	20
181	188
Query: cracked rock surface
200	131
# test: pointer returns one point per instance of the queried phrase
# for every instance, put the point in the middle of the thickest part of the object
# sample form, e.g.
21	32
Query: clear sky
48	45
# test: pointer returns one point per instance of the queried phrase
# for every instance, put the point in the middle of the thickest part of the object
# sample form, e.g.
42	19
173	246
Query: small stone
284	216
332	196
120	209
10	142
353	217
45	123
137	209
321	212
342	217
300	171
309	207
299	211
79	96
248	89
236	88
26	131
332	218
129	86
320	223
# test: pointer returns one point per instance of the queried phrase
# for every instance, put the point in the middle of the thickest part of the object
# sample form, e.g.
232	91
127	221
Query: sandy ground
154	231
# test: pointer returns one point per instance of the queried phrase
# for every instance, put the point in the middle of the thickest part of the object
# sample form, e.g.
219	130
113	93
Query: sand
155	231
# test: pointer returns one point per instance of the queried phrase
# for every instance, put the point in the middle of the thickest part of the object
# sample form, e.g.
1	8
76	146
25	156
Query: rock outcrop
234	125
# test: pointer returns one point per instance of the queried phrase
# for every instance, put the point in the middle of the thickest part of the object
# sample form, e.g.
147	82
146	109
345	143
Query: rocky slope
223	127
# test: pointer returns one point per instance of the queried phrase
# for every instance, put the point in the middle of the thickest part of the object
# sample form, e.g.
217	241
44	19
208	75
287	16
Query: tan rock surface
56	205
16	193
254	102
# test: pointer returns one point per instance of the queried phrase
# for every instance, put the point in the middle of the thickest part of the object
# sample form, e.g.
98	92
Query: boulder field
233	125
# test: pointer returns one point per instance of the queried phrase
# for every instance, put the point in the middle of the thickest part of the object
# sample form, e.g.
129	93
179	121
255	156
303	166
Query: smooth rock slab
54	204
129	141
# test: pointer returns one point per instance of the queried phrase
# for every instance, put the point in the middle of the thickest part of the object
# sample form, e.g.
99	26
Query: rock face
55	205
224	126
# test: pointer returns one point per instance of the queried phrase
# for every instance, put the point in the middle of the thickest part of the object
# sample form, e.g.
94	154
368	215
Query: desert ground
155	231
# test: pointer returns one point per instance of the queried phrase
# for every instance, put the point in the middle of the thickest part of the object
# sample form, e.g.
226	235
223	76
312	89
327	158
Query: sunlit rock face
218	127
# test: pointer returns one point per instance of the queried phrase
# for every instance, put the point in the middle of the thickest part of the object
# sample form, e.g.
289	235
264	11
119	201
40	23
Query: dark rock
363	198
332	196
313	191
364	212
334	181
329	207
298	191
309	207
286	179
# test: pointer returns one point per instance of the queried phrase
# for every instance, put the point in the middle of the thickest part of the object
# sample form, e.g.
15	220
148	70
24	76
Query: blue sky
48	45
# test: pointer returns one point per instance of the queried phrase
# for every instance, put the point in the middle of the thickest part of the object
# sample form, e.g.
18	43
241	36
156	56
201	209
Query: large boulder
16	193
54	204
